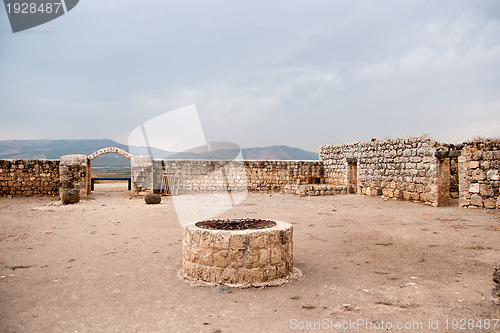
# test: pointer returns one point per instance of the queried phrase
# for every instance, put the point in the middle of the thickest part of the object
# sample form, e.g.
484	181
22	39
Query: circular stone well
238	252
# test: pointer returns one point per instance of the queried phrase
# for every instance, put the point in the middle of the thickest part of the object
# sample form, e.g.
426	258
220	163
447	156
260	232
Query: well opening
236	224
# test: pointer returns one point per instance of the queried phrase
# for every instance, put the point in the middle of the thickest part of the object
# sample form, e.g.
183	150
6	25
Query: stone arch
98	153
109	150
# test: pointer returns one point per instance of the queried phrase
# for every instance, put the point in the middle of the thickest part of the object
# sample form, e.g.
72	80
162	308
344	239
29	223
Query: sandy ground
111	263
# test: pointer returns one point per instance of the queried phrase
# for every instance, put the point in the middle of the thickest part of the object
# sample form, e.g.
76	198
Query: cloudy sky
300	73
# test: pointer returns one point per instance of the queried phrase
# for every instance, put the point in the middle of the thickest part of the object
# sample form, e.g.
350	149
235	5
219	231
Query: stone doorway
443	182
352	175
109	176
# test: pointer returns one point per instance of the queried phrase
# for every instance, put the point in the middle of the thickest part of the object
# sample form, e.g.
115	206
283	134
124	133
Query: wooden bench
93	179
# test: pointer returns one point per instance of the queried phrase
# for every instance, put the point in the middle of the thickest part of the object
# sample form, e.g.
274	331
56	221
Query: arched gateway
98	153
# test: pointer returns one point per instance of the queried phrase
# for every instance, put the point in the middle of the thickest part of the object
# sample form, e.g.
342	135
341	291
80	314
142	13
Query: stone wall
479	173
215	176
417	169
408	169
197	176
26	177
267	176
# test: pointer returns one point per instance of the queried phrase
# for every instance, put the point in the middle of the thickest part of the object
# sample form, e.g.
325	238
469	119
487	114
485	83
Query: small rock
222	289
71	197
152	199
349	307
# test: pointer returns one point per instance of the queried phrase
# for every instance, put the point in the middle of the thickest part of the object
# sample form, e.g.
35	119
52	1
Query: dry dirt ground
110	264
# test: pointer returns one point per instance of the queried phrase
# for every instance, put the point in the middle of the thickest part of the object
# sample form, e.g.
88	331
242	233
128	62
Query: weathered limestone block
142	173
73	170
478	174
473	164
476	200
474	188
486	190
489	203
493	174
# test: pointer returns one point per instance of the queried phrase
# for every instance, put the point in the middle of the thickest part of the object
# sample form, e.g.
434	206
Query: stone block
230	275
406	195
195	237
489	203
216	275
478	174
276	255
281	269
238	242
486	190
259	241
264	256
493	174
237	259
204	273
221	241
194	254
474	188
476	200
270	273
252	260
206	240
473	164
221	258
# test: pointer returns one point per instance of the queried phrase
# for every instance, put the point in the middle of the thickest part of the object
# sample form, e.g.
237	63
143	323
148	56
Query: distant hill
278	153
54	149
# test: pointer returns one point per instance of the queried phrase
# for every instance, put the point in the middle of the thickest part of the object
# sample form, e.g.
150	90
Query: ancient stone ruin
415	169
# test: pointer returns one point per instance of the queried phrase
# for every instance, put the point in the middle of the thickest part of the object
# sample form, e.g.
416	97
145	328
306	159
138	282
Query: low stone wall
407	169
479	173
28	177
314	190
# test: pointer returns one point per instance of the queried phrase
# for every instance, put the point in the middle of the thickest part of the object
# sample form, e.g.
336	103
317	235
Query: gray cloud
260	73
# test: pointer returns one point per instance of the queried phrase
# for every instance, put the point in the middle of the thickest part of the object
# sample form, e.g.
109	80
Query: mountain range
54	149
